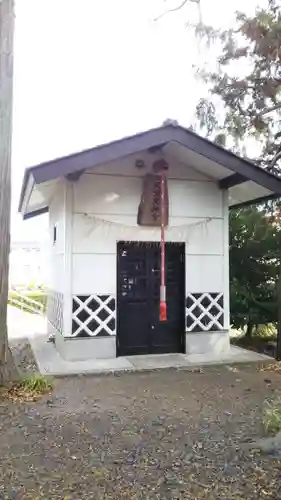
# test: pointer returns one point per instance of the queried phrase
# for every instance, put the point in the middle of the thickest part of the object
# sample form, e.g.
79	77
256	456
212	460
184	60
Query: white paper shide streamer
118	231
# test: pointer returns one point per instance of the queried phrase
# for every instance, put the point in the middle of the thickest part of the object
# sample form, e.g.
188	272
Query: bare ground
161	435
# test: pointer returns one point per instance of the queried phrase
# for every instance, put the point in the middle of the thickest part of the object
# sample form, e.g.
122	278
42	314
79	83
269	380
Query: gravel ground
161	435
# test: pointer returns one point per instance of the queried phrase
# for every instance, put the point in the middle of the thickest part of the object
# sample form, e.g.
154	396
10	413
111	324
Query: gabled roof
236	170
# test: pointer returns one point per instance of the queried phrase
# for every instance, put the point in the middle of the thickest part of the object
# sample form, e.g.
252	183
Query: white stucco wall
113	193
100	209
57	249
56	279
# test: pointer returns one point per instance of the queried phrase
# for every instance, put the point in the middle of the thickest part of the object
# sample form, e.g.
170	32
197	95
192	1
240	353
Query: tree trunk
278	350
7	367
249	330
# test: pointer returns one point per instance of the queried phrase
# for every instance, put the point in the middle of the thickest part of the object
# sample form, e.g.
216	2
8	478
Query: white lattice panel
93	315
55	310
204	312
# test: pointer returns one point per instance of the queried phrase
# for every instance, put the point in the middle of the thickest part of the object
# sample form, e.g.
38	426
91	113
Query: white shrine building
105	268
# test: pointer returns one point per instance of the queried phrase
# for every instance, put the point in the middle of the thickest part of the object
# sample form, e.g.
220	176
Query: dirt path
161	435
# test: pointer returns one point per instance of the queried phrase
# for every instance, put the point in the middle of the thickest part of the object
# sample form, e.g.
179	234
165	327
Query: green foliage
254	267
32	285
37	295
29	388
245	98
36	383
272	416
266	331
245	102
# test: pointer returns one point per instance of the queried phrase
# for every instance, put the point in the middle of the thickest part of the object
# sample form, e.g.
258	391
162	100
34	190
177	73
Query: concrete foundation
82	349
50	362
91	348
207	342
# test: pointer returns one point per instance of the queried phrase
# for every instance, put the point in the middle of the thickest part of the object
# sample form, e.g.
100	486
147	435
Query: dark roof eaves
255	202
23	188
145	140
35	213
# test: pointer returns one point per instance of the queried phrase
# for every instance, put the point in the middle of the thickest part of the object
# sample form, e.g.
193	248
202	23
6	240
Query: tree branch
275	160
269	110
176	8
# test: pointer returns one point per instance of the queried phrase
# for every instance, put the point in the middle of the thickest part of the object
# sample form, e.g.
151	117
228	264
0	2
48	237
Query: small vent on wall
55	234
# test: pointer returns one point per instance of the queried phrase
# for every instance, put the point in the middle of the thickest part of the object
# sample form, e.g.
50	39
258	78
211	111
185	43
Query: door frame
183	332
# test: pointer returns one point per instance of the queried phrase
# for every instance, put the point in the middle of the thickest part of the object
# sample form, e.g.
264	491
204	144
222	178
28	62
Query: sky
92	71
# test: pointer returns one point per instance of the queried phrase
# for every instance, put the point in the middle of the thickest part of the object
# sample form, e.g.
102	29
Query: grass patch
36	383
28	389
272	416
38	296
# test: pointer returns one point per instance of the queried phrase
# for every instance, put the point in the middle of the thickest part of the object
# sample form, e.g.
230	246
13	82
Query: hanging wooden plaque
149	211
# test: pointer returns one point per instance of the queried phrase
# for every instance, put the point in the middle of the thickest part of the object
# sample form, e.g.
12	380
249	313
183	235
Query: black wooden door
139	330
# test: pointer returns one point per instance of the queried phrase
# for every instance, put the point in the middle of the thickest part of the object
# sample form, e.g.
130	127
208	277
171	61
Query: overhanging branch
174	9
270	110
275	160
